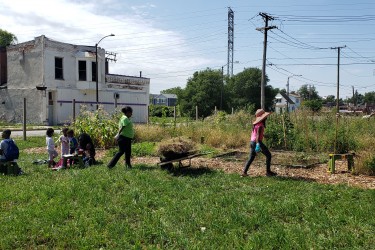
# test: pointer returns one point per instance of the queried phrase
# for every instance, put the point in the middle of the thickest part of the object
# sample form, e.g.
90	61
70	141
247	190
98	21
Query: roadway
19	133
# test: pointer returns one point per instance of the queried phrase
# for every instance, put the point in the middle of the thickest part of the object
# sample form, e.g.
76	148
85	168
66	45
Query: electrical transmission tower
230	41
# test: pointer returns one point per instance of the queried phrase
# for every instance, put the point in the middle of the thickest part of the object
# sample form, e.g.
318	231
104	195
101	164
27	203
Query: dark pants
3	167
124	147
264	151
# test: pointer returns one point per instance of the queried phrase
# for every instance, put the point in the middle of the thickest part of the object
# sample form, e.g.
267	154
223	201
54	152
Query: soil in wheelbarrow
175	148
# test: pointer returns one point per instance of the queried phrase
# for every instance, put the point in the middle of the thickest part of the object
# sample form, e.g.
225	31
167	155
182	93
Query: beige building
52	76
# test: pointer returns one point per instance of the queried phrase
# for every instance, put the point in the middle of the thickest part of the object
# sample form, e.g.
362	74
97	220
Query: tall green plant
275	133
99	124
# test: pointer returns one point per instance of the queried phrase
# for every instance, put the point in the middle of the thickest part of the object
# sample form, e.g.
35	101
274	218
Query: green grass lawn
150	208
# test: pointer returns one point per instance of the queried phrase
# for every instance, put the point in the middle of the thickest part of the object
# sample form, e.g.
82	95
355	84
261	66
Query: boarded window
82	71
93	71
59	68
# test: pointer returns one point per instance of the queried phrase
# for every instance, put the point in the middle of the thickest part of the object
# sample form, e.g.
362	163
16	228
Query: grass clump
144	149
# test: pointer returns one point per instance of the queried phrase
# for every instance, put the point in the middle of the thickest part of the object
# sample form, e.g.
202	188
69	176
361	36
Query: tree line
209	88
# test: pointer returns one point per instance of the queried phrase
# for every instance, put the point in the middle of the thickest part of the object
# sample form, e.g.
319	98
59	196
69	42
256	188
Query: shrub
161	111
100	125
365	163
278	131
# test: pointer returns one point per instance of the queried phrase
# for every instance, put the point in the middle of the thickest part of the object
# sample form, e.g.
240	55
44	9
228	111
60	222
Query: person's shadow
189	171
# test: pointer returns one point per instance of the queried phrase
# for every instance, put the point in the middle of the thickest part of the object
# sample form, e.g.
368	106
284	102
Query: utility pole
338	78
230	42
222	86
266	17
354	98
338	93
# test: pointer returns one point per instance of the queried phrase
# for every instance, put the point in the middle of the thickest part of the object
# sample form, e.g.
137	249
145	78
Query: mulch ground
316	173
234	164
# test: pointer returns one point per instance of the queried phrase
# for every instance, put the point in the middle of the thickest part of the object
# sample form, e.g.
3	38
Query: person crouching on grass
256	142
124	138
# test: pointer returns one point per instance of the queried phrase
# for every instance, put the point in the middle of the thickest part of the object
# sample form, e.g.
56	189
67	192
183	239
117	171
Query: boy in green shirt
124	138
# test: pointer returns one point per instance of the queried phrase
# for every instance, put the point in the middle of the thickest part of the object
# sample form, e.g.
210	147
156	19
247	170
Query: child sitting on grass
85	143
8	152
73	144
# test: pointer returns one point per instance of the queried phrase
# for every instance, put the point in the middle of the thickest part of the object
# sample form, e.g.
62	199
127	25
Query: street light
97	69
287	92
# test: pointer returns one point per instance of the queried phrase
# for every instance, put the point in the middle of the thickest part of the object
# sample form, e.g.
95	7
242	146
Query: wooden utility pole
338	94
266	17
338	78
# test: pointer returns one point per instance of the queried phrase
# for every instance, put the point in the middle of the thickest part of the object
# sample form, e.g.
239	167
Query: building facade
281	99
52	76
169	100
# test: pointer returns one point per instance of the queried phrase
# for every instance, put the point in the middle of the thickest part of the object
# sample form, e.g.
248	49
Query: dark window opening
59	68
93	71
50	99
82	71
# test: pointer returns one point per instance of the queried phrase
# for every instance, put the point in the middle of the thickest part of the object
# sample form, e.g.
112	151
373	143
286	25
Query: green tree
161	111
369	97
202	90
244	89
314	105
356	99
7	38
176	90
330	98
308	92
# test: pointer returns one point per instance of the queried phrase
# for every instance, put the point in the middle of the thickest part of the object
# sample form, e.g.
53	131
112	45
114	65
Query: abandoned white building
52	76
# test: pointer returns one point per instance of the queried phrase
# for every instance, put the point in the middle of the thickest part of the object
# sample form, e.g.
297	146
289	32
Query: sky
169	40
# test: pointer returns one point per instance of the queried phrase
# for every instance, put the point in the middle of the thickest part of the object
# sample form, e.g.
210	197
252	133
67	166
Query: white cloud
139	44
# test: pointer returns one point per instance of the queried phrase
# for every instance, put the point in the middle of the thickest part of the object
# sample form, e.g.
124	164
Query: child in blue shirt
73	143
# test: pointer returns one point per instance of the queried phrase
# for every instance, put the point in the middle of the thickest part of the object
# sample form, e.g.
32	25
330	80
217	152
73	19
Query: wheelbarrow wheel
167	166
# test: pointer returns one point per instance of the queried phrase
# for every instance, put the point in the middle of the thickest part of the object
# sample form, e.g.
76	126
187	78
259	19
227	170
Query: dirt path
318	173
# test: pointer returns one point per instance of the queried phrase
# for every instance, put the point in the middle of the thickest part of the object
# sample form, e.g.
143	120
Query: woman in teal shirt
124	140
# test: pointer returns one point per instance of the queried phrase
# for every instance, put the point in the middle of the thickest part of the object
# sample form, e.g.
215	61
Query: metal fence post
174	113
74	110
24	119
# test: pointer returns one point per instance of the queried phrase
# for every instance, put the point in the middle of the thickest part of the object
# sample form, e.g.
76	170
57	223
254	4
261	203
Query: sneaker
270	173
129	166
244	175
